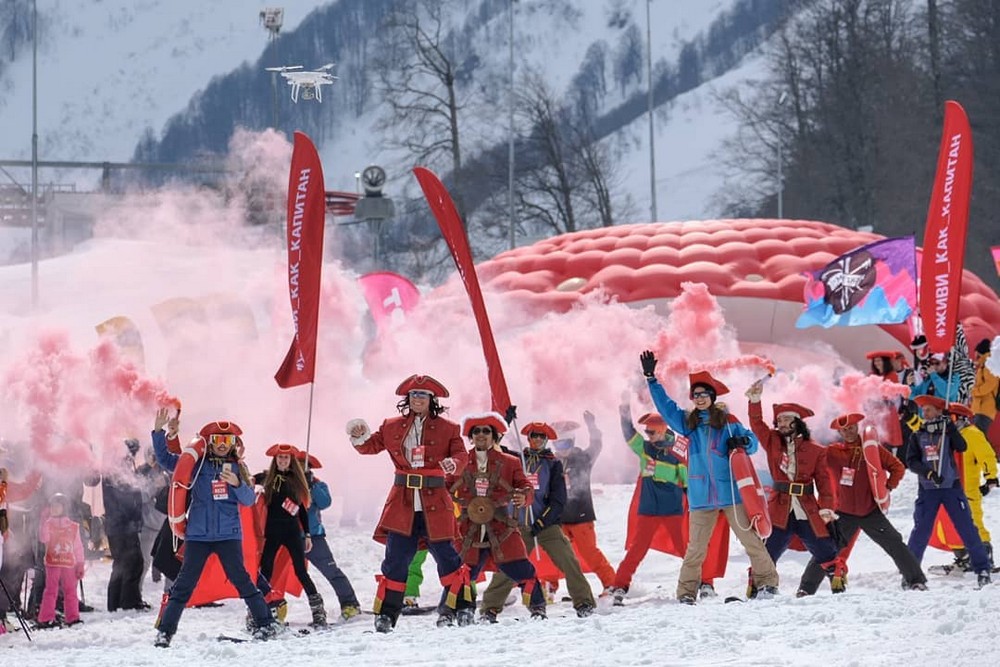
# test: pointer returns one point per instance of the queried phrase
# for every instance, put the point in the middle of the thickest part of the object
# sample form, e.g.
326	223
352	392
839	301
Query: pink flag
389	296
996	257
306	218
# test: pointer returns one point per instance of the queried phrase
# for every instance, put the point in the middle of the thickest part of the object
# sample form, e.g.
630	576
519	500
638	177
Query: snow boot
465	617
584	609
162	640
963	561
983	578
706	590
765	593
265	632
384	624
489	615
318	612
618	596
687	599
989	553
347	612
446	618
538	612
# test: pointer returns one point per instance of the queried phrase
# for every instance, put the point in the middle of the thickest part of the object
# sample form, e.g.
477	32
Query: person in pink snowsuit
63	563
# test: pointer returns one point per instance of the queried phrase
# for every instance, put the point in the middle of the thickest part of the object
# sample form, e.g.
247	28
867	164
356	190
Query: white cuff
359	440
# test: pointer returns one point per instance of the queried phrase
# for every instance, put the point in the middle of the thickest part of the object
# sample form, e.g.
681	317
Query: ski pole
17	610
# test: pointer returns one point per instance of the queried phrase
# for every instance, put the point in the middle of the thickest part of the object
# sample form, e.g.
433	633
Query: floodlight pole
34	154
510	139
649	79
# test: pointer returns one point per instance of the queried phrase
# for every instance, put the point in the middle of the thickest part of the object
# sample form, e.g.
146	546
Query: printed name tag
783	465
482	485
290	506
847	476
219	489
417	456
932	452
533	478
680	447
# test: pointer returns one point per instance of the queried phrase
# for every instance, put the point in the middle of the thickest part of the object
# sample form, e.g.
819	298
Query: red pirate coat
502	477
854	489
441	440
810	469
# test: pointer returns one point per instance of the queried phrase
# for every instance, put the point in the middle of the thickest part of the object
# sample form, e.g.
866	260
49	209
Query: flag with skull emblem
873	284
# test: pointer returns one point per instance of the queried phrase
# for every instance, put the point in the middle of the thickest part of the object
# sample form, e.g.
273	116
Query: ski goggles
417	393
222	439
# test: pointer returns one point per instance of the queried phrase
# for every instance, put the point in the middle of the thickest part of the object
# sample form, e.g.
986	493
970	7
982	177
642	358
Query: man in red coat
489	535
856	505
424	446
798	467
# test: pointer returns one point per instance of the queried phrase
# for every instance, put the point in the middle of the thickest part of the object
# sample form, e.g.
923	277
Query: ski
952	569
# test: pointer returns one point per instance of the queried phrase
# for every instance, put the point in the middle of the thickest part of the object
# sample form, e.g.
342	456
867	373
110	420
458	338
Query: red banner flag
944	236
995	250
306	219
454	235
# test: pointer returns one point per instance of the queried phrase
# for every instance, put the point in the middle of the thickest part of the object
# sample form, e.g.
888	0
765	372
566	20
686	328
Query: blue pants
955	503
321	557
823	549
230	553
520	571
399	551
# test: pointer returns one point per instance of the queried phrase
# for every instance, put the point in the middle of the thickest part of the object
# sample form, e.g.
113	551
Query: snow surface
873	623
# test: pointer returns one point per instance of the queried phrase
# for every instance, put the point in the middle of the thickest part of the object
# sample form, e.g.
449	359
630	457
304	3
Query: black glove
648	361
934	477
836	534
737	442
310	477
537	527
511	414
985	488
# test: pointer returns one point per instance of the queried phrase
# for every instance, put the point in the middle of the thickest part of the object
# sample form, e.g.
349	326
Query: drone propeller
283	68
326	68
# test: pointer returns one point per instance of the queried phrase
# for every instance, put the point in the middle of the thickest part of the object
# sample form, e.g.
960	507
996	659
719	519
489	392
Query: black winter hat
983	347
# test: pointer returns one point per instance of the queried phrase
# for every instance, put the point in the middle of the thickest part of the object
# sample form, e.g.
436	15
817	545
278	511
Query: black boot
384	624
318	612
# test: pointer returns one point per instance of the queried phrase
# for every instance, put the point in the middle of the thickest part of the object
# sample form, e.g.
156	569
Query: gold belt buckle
419	484
792	486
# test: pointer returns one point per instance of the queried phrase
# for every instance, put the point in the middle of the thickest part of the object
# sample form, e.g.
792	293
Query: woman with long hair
286	501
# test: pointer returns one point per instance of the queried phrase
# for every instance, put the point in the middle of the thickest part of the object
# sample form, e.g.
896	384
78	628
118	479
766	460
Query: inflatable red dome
753	267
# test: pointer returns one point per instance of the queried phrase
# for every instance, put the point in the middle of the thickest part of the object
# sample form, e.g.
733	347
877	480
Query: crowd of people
463	493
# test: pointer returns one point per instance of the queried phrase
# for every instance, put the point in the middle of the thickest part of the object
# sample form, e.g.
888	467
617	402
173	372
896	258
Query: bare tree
423	60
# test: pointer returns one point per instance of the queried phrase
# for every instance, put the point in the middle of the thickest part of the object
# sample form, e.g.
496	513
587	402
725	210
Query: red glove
79	571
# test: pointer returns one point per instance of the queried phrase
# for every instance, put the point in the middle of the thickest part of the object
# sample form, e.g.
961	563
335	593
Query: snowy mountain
115	73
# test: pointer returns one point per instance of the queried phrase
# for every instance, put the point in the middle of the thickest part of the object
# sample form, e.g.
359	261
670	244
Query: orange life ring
180	485
876	473
751	492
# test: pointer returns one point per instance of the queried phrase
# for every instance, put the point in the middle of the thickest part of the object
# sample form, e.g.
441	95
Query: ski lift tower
272	18
374	207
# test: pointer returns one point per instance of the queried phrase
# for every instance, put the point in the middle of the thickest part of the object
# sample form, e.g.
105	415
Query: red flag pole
944	237
304	232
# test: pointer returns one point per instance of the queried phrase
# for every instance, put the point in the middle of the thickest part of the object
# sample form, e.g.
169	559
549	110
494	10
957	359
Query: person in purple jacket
712	434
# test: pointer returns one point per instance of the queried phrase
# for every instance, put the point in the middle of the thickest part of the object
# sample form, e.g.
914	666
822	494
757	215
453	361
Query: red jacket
857	499
810	467
512	546
441	439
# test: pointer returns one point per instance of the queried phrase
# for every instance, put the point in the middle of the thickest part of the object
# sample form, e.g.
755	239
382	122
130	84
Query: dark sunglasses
536	435
481	429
